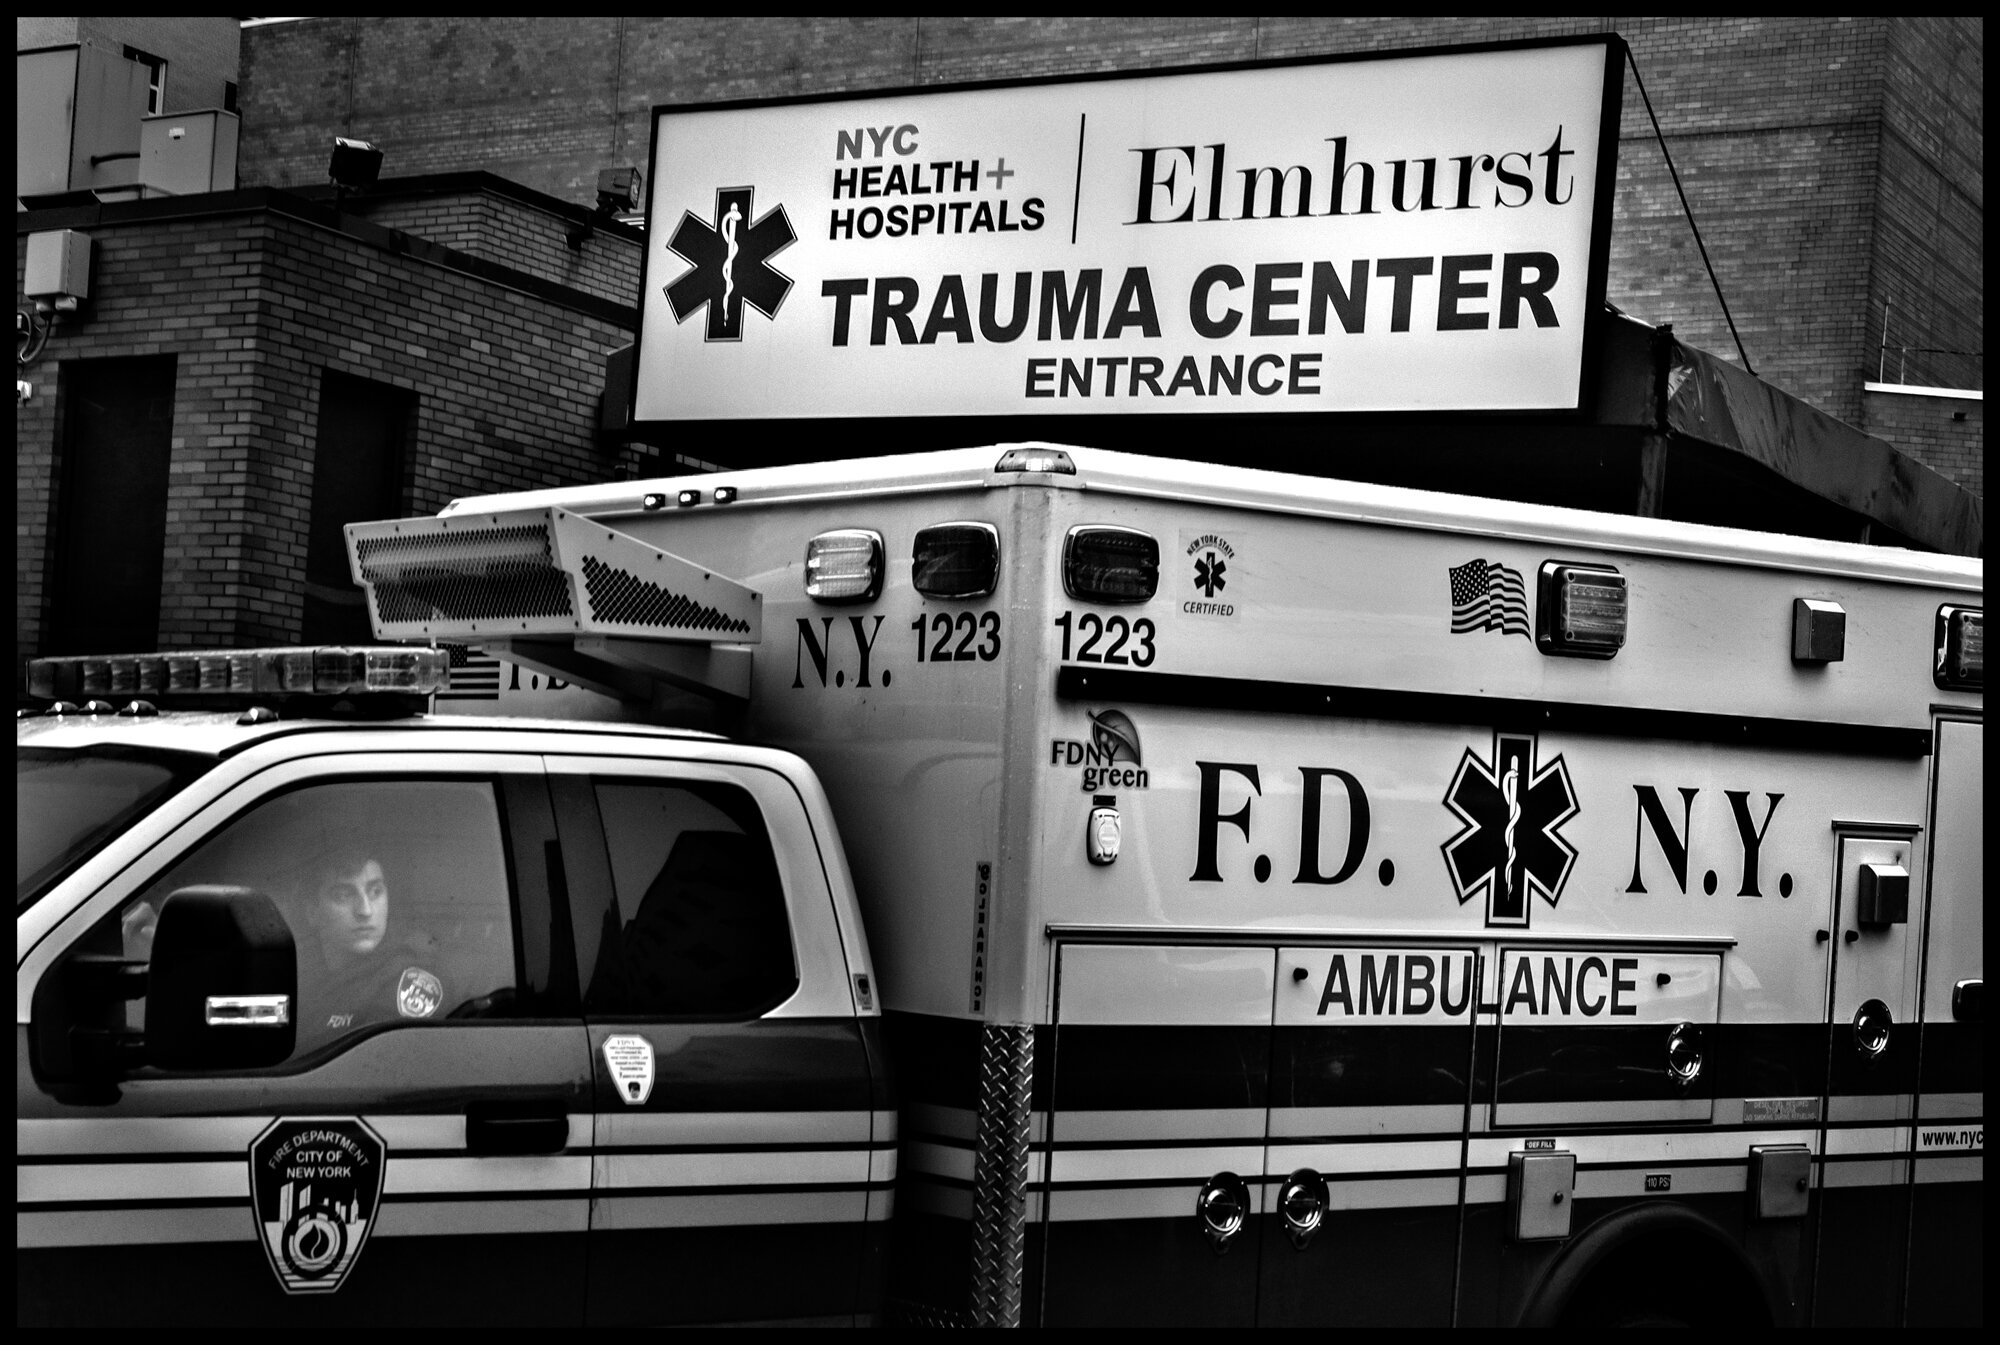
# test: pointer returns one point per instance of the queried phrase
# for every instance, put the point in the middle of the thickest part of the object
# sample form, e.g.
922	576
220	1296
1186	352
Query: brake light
1580	610
956	560
1958	660
844	566
1110	564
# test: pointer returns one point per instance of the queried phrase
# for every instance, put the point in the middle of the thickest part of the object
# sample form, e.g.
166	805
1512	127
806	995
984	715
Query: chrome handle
1302	1203
249	1010
1684	1053
1222	1207
1872	1023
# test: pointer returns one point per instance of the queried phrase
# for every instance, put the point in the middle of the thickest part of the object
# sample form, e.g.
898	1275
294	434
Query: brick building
1834	166
448	332
170	434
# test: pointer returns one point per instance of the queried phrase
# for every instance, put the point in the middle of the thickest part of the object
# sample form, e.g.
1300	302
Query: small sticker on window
630	1060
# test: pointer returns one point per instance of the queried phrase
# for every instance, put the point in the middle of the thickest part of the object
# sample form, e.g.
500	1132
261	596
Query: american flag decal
474	677
1486	595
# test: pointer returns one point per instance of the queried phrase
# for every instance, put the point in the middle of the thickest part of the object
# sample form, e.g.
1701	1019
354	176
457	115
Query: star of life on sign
1411	233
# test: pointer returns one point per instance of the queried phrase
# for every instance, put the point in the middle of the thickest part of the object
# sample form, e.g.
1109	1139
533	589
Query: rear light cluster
323	670
1111	565
1958	661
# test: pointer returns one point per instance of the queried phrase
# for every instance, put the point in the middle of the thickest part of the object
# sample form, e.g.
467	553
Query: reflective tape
637	1129
766	1167
727	1209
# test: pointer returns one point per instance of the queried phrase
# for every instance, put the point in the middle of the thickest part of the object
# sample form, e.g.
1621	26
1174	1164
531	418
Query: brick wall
1776	125
256	305
498	222
1931	430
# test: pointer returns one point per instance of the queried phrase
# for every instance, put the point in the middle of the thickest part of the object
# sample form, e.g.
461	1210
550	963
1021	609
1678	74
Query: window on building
358	466
110	532
229	95
156	79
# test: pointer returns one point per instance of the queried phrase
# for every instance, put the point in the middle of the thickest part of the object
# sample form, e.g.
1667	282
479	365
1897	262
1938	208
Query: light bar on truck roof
1958	656
310	670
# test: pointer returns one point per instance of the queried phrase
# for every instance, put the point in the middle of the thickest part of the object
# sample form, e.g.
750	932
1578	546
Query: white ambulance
1290	902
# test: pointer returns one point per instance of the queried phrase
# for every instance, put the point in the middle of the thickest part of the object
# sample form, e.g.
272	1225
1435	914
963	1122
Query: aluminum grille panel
475	578
469	574
619	597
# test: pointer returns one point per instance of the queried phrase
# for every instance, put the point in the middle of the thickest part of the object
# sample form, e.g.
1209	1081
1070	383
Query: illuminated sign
1408	233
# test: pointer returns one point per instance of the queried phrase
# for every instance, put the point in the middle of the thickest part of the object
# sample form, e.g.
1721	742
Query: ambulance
1202	896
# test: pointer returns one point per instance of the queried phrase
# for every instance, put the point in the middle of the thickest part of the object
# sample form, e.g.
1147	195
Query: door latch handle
1302	1203
492	1130
1222	1208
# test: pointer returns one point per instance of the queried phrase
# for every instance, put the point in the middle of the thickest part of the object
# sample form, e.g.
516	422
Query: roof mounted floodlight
355	165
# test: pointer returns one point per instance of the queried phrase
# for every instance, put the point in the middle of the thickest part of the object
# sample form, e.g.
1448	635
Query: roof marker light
1035	458
844	565
1958	654
1581	611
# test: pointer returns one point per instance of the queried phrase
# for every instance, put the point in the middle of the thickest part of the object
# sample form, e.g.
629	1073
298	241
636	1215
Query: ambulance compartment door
1871	1077
1371	1068
1947	1265
1157	1120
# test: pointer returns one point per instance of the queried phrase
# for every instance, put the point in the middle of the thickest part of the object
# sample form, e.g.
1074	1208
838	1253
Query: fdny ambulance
1156	894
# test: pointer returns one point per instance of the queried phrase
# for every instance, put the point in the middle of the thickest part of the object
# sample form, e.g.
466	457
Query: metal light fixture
618	191
354	167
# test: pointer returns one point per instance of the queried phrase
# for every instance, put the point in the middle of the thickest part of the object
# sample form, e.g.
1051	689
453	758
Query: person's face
352	908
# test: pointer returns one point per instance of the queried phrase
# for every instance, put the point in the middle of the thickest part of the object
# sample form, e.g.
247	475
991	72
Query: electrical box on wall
58	265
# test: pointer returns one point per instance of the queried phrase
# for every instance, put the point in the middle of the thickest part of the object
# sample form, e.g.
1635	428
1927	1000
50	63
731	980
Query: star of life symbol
1208	572
1511	844
730	264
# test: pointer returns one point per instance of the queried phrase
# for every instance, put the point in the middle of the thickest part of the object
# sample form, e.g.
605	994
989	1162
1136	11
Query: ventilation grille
622	598
422	578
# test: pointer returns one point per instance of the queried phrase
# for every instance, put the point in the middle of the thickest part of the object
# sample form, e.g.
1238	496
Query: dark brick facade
258	293
1833	165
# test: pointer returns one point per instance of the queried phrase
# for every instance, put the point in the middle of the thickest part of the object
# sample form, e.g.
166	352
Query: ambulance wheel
1657	1265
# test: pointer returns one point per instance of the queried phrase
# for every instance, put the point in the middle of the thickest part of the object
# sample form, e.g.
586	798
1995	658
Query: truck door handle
515	1129
1222	1207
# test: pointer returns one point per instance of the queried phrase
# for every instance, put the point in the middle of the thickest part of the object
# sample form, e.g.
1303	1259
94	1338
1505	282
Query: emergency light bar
478	578
324	670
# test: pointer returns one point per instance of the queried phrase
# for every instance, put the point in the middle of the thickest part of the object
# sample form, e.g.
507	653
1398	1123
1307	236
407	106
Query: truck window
694	924
69	803
396	892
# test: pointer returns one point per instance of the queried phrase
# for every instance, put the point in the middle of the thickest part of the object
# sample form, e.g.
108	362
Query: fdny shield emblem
418	993
315	1183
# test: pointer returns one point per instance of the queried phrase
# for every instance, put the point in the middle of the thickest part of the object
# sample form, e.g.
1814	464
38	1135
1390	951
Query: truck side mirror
223	987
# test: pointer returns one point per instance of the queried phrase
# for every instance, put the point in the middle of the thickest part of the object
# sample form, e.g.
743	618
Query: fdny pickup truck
1020	886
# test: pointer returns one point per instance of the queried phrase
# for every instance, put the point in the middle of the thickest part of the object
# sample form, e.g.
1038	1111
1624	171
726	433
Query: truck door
735	1120
1370	1078
423	1155
1947	1264
1871	1077
1157	1119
